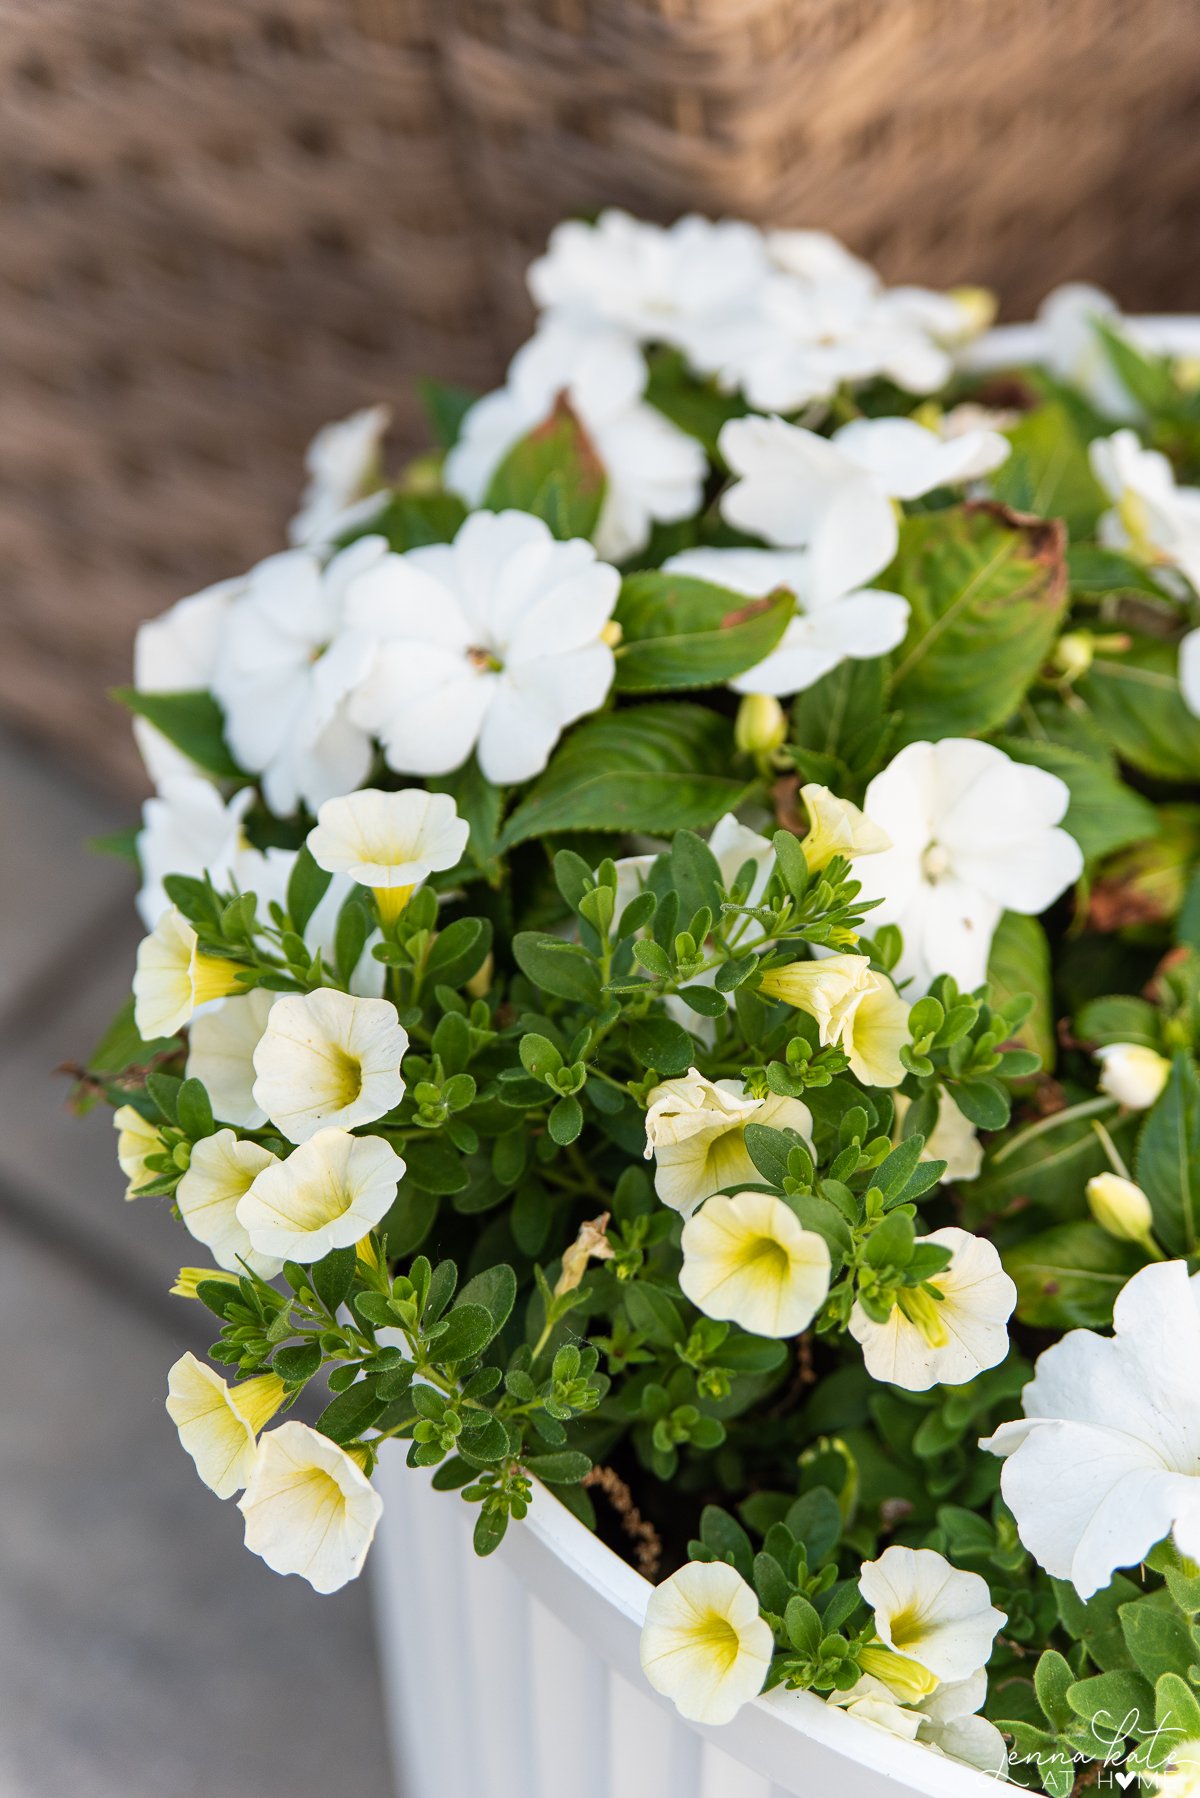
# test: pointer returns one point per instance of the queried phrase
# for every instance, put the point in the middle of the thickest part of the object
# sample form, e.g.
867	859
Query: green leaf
725	1538
653	1314
459	951
1069	1276
346	1417
412	520
333	1277
469	1329
410	1220
1168	1158
564	969
698	407
564	1468
193	1111
481	804
554	473
1052	1680
1135	701
679	632
844	716
496	1290
307	886
1049	473
1158	1638
1096	571
445	407
1096	1622
1177	1707
1104	814
351	933
1047	1164
653	768
987	590
816	1521
1105	1700
661	1044
298	1364
1019	962
490	1527
193	721
1118	1018
565	1121
434	1166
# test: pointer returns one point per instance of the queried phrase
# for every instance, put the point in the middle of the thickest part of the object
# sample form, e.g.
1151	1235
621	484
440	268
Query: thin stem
1086	1109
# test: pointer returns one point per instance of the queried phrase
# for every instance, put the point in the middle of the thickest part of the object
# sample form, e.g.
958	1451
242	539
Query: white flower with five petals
695	1132
491	643
327	1058
328	1194
220	1173
309	1508
947	1340
704	1644
390	842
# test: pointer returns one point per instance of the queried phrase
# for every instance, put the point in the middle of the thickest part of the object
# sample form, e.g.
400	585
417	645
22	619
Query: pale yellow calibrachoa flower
947	1340
855	1008
390	842
309	1508
174	976
329	1058
695	1130
220	1173
748	1260
218	1423
835	827
929	1614
136	1139
327	1195
221	1045
1179	1775
704	1644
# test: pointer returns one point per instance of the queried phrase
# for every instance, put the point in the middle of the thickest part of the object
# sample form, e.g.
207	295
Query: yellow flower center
346	1081
923	1311
718	1639
906	1678
767	1257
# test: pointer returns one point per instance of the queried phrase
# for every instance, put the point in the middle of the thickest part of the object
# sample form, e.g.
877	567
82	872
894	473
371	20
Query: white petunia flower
285	671
684	285
309	1508
188	829
221	1045
704	1644
854	1007
907	461
1106	1460
137	1138
1189	671
748	1260
328	1194
953	1139
491	643
695	1131
1076	353
220	1173
943	1341
799	491
329	1058
174	976
822	632
1151	519
345	466
177	653
929	1612
390	842
654	472
218	1423
973	835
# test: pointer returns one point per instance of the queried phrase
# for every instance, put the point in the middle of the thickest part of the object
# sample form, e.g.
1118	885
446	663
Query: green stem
1086	1109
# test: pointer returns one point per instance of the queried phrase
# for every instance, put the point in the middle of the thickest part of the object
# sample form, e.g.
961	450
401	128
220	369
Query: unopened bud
1073	654
1186	370
1120	1207
1132	1074
978	306
761	724
480	983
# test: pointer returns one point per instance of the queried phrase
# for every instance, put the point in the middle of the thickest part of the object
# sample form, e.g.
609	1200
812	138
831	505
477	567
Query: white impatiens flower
826	628
1189	671
1151	519
218	1423
704	1644
328	1058
1075	350
907	460
953	1138
1106	1460
799	491
285	670
309	1508
328	1194
221	1045
653	471
188	829
137	1138
493	643
929	1613
684	285
390	842
854	1007
174	976
177	653
344	462
220	1173
835	827
695	1130
947	1340
974	834
748	1260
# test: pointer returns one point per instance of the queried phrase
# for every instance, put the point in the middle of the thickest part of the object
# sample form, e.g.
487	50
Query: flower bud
978	306
1132	1074
1120	1207
761	724
1073	654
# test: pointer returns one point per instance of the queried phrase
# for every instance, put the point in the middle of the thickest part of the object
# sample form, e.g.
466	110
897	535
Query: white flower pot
518	1676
